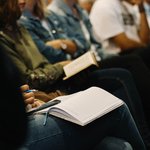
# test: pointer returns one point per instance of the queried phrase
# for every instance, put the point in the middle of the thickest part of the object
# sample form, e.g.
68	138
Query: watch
63	46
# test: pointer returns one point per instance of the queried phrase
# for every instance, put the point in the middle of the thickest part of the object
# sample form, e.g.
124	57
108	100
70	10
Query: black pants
138	63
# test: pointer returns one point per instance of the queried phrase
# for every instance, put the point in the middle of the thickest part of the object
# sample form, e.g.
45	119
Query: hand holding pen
29	99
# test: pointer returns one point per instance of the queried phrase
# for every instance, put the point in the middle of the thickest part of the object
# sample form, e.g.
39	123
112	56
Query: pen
31	90
46	105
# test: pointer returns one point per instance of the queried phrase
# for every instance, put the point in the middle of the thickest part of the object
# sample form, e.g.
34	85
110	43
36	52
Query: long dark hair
9	13
39	9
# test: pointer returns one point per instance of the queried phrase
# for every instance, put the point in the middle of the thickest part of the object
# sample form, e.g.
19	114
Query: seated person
72	22
124	33
18	126
39	74
68	135
47	34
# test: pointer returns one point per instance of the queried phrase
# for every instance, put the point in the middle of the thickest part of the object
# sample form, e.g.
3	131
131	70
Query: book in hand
84	61
85	106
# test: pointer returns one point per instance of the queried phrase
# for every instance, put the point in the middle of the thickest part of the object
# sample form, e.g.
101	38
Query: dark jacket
13	124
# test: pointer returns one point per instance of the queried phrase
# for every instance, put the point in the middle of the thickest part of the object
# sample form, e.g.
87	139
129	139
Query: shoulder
26	22
106	5
5	40
105	9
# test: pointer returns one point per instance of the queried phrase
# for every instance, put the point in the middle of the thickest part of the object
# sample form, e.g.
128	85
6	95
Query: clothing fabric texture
135	64
57	30
73	24
34	68
114	17
126	21
41	35
11	50
116	81
110	143
11	75
63	135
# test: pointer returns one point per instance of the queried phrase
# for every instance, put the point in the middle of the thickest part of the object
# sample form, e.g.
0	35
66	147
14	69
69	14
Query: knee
112	143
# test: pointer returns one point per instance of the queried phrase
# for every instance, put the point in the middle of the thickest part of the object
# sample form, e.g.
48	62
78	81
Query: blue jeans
112	143
108	143
59	134
119	82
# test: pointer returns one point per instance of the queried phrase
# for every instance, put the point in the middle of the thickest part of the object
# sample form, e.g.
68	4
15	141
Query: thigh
63	135
113	143
59	134
140	73
143	53
120	83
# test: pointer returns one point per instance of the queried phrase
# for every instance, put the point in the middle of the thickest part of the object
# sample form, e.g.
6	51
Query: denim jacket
58	30
40	35
64	31
62	9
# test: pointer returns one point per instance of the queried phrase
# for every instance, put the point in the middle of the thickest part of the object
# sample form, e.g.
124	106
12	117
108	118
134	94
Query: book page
90	104
80	64
85	106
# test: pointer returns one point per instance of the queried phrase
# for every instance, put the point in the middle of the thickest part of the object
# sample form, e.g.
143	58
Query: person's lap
113	143
59	134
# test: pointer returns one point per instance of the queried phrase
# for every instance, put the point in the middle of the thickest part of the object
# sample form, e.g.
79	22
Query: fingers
24	87
29	98
37	103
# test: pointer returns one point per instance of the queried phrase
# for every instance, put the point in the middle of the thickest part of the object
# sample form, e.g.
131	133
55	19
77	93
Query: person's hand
55	44
29	98
66	45
63	63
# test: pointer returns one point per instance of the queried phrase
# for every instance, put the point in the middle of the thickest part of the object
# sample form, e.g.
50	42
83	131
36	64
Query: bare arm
63	44
144	31
124	42
63	63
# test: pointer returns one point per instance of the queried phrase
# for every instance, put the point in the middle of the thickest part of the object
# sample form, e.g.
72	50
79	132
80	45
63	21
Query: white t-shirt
110	18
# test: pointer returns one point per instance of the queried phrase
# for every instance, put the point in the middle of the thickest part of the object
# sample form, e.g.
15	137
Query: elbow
125	46
146	41
73	51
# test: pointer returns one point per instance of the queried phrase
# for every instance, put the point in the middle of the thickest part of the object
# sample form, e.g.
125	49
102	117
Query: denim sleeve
78	37
53	55
68	31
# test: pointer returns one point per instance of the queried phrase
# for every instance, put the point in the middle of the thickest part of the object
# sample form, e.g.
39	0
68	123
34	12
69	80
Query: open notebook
85	106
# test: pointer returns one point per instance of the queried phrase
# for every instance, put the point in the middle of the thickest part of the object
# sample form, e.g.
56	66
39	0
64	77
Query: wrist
141	8
63	45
